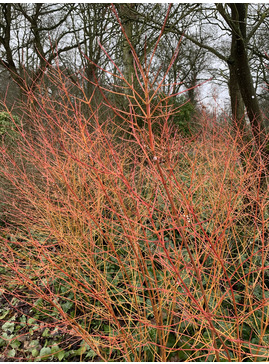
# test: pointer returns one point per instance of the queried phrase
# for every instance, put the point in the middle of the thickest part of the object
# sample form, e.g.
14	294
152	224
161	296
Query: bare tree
29	36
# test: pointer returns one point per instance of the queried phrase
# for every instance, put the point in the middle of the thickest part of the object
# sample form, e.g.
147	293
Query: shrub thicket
139	249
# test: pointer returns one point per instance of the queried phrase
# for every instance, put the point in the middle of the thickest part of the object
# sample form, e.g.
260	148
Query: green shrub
8	124
183	116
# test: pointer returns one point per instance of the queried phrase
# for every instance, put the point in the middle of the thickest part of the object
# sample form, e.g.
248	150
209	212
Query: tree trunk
244	79
127	24
237	103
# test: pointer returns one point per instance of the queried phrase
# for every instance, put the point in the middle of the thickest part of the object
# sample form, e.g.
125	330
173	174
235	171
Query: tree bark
244	79
127	24
237	103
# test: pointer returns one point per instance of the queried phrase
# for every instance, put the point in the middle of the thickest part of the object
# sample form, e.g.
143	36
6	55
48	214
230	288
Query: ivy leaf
8	326
45	352
33	344
31	321
23	319
4	314
7	336
60	355
55	349
46	333
15	344
11	353
35	353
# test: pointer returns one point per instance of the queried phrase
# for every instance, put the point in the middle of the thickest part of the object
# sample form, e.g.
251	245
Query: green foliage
8	124
182	118
36	345
182	115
